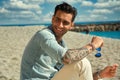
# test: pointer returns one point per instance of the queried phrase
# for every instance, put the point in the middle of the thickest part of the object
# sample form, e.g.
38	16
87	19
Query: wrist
98	75
92	46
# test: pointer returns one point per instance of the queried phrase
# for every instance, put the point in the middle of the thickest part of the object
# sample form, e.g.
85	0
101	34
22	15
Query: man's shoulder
45	32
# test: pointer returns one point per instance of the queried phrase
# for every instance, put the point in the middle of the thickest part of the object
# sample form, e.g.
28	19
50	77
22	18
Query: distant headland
97	26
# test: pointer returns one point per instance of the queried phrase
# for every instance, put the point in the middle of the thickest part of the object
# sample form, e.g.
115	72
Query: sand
14	39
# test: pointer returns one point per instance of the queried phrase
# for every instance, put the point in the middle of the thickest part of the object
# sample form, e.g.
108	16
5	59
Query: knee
83	65
84	70
86	63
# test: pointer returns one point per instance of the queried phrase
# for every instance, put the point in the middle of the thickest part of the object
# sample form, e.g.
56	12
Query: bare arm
77	54
80	53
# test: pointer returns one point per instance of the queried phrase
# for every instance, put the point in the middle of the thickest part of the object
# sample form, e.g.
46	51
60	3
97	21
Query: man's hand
109	71
97	42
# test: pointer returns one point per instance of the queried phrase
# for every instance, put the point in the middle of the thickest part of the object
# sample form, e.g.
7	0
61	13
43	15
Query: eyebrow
63	19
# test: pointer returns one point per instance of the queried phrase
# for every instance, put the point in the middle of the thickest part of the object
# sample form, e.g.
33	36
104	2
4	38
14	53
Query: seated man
46	56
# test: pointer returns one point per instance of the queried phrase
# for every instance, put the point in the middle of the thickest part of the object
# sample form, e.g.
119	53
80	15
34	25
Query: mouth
58	29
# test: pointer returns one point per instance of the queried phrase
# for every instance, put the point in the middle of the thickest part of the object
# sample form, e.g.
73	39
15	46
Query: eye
57	19
66	23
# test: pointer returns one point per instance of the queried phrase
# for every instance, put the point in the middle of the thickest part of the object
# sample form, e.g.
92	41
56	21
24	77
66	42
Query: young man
46	56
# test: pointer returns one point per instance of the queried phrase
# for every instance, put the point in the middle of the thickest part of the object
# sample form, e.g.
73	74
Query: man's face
61	23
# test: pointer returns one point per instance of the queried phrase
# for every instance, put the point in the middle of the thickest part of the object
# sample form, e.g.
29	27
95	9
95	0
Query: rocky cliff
97	27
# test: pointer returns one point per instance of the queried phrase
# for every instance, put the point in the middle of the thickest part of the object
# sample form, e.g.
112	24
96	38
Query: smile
60	30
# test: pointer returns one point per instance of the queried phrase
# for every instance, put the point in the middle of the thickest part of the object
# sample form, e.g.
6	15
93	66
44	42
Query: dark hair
66	8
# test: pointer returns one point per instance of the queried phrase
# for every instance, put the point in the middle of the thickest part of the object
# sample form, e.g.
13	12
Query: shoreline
104	34
14	39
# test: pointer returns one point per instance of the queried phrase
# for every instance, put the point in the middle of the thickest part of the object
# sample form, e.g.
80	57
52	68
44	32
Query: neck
59	39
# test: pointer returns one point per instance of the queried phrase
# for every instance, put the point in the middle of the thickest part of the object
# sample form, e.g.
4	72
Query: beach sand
14	39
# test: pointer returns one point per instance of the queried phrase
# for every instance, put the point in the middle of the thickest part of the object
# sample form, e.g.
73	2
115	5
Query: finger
102	44
92	38
115	65
113	71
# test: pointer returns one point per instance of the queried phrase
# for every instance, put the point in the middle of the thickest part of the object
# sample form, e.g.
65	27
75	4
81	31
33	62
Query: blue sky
41	11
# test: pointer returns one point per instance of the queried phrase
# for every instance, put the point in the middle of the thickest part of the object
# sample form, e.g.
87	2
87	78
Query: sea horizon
47	24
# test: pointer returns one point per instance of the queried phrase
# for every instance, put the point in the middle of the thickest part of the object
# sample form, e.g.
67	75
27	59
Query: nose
60	24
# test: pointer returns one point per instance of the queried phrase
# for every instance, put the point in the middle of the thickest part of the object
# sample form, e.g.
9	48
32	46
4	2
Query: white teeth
59	29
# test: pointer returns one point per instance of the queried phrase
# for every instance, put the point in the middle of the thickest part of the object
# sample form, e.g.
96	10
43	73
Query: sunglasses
98	54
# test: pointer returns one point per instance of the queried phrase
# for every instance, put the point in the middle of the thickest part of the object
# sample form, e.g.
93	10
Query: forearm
77	54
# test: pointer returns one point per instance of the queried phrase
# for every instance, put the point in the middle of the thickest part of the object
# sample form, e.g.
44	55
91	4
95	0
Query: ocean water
107	34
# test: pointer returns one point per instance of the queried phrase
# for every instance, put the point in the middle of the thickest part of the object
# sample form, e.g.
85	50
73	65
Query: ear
72	25
52	18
